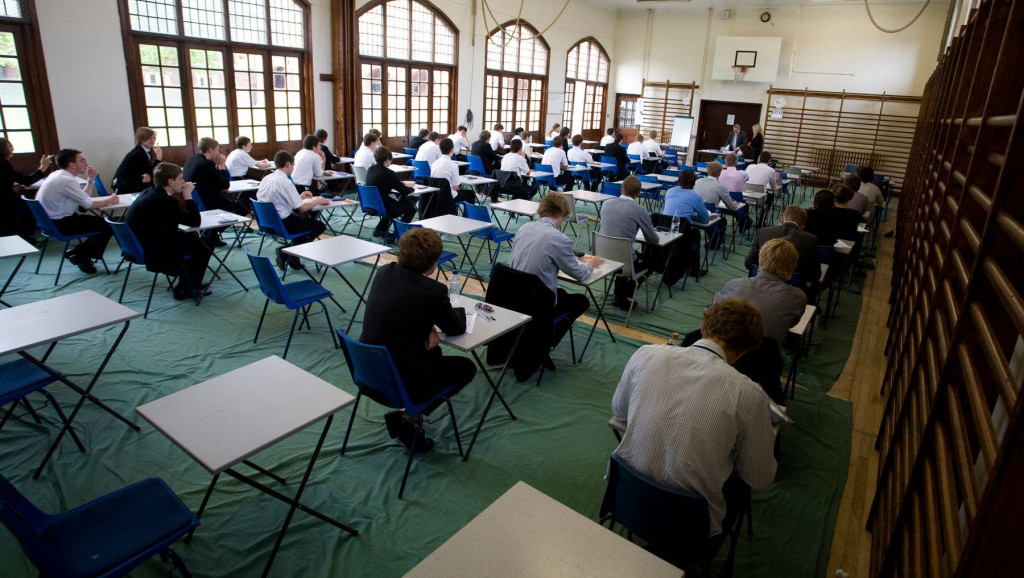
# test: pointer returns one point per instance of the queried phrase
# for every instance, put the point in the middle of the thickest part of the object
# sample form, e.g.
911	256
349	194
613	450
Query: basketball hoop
739	72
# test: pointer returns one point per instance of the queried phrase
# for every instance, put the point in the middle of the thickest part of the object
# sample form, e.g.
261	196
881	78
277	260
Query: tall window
219	68
586	86
516	77
26	117
407	67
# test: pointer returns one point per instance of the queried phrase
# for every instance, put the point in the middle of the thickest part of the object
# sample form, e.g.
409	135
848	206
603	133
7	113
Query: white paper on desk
470	322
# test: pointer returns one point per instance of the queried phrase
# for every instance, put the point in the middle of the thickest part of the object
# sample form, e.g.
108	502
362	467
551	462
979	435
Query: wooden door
716	118
625	116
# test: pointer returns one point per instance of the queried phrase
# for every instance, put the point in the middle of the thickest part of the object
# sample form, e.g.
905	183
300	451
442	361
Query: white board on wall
761	54
682	129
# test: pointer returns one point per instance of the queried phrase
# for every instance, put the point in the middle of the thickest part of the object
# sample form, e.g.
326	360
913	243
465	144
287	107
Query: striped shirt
692	421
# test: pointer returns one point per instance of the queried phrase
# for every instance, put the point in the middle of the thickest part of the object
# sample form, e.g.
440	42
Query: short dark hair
419	249
143	134
485	135
764	157
516	145
687	179
65	157
577	140
320	134
824	200
842	192
610	131
736	322
241	141
631	187
795	214
207	144
557	142
282	158
5	148
499	126
519	130
375	131
564	132
164	173
310	141
853	181
382	155
447	146
461	128
618	137
731	159
424	132
370	138
866	174
433	136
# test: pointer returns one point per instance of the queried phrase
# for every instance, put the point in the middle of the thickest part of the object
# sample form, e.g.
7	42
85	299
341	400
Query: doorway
717	117
625	116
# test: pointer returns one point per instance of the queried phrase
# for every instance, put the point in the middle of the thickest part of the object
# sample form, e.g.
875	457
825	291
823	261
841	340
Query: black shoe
548	364
624	304
295	263
890	234
379	234
389	239
218	242
281	259
185	294
86	266
393	420
406	435
698	274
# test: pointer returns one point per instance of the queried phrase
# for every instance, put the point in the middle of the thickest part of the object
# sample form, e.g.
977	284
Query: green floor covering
560	444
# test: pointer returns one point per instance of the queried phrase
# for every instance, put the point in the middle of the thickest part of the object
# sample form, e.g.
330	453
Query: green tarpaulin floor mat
560	443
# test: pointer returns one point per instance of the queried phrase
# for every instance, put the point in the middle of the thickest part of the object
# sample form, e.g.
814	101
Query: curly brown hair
737	322
419	249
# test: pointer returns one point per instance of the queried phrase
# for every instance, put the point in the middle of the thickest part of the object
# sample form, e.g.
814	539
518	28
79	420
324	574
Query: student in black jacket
482	148
330	158
416	141
618	152
393	192
207	171
135	173
15	218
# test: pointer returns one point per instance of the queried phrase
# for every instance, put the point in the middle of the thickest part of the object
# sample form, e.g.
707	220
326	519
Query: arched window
407	65
219	68
516	77
586	87
26	114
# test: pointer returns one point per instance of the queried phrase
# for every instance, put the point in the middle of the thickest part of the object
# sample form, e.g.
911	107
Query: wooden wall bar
663	101
951	467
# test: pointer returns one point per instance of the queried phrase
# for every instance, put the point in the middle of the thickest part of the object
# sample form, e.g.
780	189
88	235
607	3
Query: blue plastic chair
635	160
548	182
548	143
488	235
613	172
101	191
446	256
611	188
49	231
109	536
421	170
671	156
133	254
476	166
673	172
374	373
409	151
370	203
298	296
270	223
21	377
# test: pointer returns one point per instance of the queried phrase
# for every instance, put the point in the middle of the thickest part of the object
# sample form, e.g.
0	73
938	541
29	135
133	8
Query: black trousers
575	304
451	371
402	208
94	246
303	223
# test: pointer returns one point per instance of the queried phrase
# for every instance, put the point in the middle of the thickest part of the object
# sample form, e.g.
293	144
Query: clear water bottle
455	289
675	223
675	339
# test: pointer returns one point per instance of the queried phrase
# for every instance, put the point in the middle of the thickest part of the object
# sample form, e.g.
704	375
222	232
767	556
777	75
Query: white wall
88	78
823	48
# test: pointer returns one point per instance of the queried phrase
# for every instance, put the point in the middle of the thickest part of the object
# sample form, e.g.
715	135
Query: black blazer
208	179
154	218
402	308
482	149
129	173
15	218
416	141
386	181
809	265
329	156
621	158
756	146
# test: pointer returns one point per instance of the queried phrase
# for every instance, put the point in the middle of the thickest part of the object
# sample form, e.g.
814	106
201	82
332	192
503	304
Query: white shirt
61	195
553	134
428	151
579	156
653	148
692	420
308	164
445	168
762	174
497	141
555	158
515	162
239	162
636	148
459	141
277	188
364	157
607	140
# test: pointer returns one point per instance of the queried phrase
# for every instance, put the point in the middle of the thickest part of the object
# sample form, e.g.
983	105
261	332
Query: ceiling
720	5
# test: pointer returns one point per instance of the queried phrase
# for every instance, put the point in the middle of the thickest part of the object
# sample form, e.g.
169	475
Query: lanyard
711	350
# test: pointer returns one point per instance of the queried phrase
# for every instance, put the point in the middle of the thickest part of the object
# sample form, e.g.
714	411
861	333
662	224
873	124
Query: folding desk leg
360	295
9	279
494	391
202	506
600	318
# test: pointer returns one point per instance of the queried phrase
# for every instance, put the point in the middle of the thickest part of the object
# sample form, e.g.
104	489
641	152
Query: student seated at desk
403	307
510	176
482	148
713	191
429	151
364	156
61	196
418	140
154	218
240	161
389	185
618	152
135	173
555	158
732	178
695	423
497	140
608	138
445	168
292	207
623	217
792	228
781	306
15	217
308	163
540	248
578	156
330	159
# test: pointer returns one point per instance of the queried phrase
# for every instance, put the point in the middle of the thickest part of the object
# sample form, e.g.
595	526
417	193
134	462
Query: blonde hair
778	257
553	205
795	214
755	128
737	322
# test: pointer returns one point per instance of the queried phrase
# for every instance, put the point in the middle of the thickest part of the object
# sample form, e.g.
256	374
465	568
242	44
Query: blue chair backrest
266	217
610	161
549	181
672	172
634	158
648	179
270	283
43	220
100	189
23	519
476	212
850	168
548	142
671	156
373	368
476	165
410	151
421	169
687	168
200	205
130	246
401	228
610	188
369	199
701	165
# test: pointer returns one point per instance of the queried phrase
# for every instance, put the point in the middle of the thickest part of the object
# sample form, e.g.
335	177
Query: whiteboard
682	129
